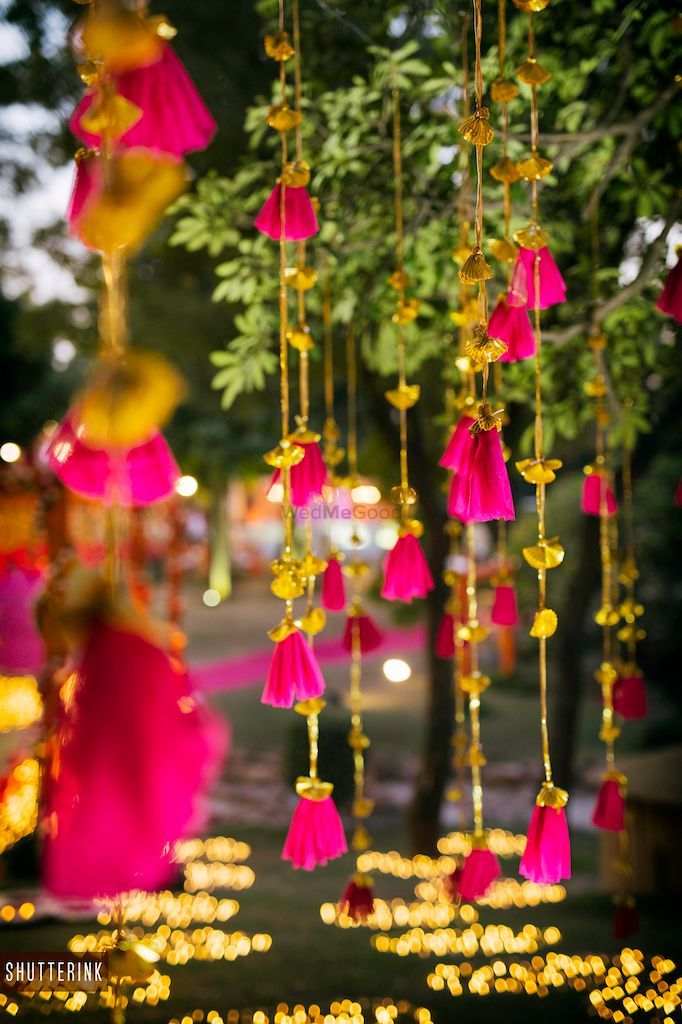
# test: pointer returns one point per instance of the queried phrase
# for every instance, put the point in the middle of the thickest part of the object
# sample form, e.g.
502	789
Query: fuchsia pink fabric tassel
504	611
522	288
445	637
174	117
300	219
511	324
135	756
594	486
134	477
406	571
21	646
481	491
294	673
357	901
86	183
670	299
315	835
333	589
629	696
479	871
455	455
307	477
371	636
609	812
547	857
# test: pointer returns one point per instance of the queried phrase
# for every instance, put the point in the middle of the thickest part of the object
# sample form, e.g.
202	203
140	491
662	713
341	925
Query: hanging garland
537	284
316	833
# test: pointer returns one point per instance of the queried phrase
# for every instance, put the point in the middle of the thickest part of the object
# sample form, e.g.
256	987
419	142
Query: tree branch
624	295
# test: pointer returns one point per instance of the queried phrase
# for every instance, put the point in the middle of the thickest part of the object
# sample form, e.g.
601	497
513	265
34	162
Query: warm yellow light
211	598
366	494
396	670
186	486
275	494
10	452
386	537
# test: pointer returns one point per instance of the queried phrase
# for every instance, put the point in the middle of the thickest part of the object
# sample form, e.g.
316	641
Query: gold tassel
502	90
482	349
534	167
506	170
532	73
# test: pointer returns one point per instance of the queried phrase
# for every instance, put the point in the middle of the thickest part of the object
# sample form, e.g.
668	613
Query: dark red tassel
357	901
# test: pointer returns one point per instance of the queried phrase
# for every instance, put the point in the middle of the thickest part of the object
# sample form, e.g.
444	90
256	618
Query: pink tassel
21	646
594	485
629	696
547	857
445	638
294	673
315	835
626	920
333	589
479	871
522	288
609	812
86	183
504	611
455	455
174	117
512	325
371	636
357	901
406	571
677	497
300	219
307	477
136	753
670	299
483	491
134	477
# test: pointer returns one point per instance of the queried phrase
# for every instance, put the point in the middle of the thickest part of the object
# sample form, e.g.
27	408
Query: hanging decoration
406	571
316	833
536	283
333	586
670	299
357	901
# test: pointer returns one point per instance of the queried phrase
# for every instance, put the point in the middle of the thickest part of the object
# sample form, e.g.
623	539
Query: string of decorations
316	832
406	571
537	284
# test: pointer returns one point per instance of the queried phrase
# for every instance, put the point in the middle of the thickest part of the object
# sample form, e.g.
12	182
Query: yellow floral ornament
279	47
531	237
299	338
404	396
539	471
545	624
546	554
296	174
607	616
301	278
282	118
407	310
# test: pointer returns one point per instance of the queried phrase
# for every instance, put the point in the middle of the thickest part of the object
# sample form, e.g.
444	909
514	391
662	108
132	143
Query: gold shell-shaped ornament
279	47
311	706
504	250
403	495
311	565
474	684
472	633
532	73
362	807
404	396
314	622
299	338
505	170
399	280
313	789
111	115
361	839
545	624
475	268
478	129
482	349
282	630
534	167
531	6
301	278
296	174
502	90
413	527
288	584
406	311
284	455
546	554
539	471
531	237
551	796
282	118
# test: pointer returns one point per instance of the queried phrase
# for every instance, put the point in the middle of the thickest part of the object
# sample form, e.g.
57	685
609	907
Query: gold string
476	749
352	374
399	252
